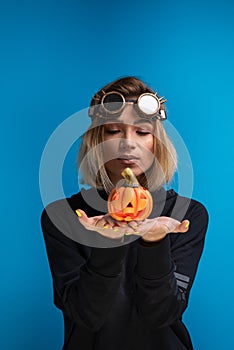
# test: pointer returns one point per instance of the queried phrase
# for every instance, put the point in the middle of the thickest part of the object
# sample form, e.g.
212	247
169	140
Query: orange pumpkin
130	201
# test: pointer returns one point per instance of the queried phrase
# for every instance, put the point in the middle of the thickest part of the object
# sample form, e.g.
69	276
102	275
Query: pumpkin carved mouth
131	201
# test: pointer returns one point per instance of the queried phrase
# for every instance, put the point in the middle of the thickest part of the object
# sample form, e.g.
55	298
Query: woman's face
130	143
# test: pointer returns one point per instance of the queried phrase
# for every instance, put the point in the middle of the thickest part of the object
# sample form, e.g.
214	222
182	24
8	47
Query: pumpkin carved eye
130	201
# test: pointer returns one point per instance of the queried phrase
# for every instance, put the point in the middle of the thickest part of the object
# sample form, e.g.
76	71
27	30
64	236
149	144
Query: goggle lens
113	102
148	104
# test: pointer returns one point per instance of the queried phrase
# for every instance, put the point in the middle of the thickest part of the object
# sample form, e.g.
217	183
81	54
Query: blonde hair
90	156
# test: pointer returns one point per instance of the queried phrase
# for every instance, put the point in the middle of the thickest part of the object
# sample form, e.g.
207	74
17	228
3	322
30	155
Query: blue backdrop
54	56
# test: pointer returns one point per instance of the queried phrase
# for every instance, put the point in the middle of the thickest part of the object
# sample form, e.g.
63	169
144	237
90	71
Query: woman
124	285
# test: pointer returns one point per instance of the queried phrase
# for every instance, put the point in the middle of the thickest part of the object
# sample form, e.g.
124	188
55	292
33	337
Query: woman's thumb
81	214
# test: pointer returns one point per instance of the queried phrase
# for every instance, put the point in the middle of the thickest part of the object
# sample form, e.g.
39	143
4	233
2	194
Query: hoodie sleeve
85	279
166	271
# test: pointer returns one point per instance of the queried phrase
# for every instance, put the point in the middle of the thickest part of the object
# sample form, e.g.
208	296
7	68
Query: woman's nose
127	141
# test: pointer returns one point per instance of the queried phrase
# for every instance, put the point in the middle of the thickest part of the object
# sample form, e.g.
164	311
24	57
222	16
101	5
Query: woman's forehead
129	116
139	123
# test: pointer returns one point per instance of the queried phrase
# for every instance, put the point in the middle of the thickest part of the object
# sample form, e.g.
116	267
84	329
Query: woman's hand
153	230
105	225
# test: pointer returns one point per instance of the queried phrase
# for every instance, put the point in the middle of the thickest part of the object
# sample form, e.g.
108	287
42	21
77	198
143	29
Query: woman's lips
127	161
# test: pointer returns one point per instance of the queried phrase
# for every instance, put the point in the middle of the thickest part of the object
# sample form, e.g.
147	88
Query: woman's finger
183	227
133	224
88	223
82	215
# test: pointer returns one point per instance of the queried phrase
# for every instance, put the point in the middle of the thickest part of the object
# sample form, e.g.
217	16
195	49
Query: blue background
54	56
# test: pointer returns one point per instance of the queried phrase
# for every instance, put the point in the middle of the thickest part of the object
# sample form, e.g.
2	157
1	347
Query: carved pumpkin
130	201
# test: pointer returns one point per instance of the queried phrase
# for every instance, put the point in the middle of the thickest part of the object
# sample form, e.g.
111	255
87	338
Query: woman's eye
112	131
141	132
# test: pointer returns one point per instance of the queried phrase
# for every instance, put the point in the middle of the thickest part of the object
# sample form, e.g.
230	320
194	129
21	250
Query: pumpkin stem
130	178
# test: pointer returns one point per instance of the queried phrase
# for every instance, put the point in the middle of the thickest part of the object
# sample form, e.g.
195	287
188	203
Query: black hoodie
125	297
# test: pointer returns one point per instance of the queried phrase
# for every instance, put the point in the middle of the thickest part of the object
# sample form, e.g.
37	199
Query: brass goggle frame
117	103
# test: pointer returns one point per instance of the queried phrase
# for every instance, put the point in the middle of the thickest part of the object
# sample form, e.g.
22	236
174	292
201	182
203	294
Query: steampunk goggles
148	105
